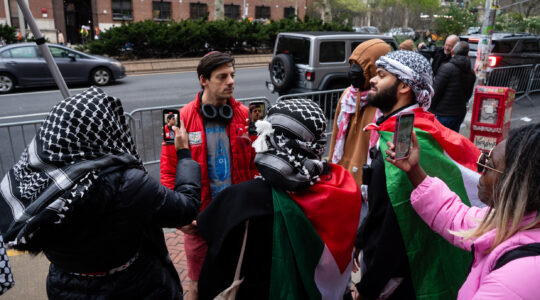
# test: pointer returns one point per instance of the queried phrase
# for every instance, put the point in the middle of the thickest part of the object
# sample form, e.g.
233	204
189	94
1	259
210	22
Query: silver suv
314	61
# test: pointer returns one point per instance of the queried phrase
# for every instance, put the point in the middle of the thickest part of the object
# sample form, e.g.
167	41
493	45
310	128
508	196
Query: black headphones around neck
223	113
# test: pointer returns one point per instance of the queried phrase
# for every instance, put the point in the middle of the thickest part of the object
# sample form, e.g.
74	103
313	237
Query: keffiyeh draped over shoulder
81	135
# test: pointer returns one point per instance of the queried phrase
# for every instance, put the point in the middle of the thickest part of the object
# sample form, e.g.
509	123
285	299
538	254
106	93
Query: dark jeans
452	122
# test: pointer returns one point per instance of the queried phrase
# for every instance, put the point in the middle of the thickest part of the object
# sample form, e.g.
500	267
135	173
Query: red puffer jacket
242	154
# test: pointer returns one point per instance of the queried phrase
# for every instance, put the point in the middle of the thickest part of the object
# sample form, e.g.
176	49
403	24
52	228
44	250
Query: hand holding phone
402	135
181	139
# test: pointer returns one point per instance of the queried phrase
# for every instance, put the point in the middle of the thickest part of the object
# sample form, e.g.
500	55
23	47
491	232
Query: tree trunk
406	17
219	10
326	11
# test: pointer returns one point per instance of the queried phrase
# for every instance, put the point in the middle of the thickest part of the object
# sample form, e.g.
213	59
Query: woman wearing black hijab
81	195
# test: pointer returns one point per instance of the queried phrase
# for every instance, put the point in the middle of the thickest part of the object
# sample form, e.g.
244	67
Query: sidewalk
189	64
175	244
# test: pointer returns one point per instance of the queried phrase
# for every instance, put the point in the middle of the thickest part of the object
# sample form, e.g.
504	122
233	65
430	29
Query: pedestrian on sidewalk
80	194
504	237
453	87
303	213
218	139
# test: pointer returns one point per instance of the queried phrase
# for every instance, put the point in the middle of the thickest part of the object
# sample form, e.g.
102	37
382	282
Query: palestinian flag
438	268
313	238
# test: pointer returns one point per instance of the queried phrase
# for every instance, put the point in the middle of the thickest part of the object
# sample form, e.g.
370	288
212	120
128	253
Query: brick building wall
50	15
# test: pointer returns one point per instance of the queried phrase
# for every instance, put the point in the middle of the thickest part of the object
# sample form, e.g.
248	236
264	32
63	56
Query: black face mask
356	76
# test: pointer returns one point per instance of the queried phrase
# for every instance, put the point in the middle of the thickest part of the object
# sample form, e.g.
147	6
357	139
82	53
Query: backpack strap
519	252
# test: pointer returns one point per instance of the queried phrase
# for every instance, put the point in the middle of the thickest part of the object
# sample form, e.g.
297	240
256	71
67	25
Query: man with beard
219	142
393	248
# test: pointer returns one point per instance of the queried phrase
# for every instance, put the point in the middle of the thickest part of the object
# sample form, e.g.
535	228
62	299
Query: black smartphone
171	117
403	134
257	111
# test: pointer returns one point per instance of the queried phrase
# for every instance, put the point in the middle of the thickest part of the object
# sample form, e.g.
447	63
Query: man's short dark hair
169	117
461	48
212	61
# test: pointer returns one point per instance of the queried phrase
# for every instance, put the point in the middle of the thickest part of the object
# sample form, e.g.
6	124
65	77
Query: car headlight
117	63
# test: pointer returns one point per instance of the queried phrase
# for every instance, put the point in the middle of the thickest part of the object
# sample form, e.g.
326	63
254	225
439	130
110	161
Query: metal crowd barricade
533	84
327	100
516	77
146	128
15	136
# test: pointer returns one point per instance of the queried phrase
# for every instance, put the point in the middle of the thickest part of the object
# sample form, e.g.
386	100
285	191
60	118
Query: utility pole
484	45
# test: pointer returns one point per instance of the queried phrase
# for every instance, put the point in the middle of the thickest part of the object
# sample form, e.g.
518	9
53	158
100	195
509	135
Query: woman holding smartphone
509	188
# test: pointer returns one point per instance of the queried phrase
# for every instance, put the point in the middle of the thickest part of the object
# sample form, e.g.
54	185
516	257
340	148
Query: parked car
314	61
23	65
367	29
508	49
401	32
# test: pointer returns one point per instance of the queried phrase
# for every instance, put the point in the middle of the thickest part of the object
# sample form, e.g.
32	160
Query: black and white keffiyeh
81	135
290	144
414	70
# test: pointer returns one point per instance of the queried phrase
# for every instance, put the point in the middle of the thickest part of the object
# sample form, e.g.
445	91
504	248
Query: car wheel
101	76
282	72
7	83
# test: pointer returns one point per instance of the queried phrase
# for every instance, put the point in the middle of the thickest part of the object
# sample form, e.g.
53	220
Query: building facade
76	20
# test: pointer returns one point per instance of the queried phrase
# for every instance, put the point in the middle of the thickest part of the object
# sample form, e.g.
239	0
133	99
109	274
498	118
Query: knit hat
414	70
290	144
407	45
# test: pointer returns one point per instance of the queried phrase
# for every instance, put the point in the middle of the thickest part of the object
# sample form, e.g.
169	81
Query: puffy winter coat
242	154
442	210
121	221
453	87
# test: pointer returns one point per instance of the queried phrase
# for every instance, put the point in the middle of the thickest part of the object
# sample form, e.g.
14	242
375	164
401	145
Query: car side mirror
72	56
257	111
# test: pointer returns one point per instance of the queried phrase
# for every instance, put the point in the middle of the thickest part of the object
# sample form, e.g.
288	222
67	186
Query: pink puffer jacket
443	210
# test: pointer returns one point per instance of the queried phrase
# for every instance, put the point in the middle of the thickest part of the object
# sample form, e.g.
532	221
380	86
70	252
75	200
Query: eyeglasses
482	163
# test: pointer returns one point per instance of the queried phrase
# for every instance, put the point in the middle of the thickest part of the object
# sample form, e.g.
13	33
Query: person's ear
203	81
403	88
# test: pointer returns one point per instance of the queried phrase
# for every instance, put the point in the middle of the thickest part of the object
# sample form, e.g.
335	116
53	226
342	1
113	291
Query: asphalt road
135	91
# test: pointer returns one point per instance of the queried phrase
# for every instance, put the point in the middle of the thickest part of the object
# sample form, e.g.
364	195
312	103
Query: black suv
508	49
314	61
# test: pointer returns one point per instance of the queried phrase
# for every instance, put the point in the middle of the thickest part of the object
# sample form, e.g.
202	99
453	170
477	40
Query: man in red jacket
218	139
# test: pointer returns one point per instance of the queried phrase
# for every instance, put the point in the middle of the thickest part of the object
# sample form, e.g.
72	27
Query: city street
135	91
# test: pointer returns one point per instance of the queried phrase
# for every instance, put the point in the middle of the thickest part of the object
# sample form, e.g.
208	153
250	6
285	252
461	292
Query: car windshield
295	46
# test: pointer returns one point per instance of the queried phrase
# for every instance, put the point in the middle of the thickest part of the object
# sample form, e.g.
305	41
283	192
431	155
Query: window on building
198	10
288	11
161	10
232	11
121	10
262	12
332	52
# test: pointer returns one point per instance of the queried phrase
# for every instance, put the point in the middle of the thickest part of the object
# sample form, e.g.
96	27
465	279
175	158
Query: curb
189	64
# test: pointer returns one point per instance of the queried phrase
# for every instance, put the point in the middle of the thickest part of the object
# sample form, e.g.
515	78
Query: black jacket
380	239
222	226
122	217
438	56
453	87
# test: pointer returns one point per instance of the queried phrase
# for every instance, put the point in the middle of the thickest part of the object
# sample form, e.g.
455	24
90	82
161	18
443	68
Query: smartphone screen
402	135
171	117
257	111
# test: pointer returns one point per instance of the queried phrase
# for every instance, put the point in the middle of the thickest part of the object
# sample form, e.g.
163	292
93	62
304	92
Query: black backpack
519	252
